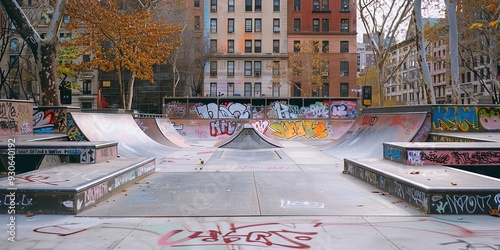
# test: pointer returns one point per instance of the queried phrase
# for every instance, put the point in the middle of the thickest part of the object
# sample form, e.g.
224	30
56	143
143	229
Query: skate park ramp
121	128
168	130
366	136
151	128
248	138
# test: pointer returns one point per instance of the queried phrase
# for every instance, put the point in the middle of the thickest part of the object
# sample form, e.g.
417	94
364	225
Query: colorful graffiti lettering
225	111
316	110
453	118
175	109
369	120
50	121
300	129
489	118
261	126
223	127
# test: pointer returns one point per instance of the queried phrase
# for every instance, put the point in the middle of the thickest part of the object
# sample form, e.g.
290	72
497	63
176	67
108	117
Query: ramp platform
70	188
248	138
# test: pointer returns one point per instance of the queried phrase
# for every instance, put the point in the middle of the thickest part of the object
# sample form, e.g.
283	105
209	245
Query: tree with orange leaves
120	35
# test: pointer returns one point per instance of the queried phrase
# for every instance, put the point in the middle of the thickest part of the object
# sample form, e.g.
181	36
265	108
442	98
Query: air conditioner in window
214	8
257	73
324	73
276	29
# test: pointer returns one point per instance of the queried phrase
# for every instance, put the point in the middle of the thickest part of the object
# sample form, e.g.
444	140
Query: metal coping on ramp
432	189
70	188
248	138
132	141
444	153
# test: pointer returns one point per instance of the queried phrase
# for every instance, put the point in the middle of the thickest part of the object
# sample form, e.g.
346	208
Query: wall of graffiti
16	117
52	119
465	118
291	118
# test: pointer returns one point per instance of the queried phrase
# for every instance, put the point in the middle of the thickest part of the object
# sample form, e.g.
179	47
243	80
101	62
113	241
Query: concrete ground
295	197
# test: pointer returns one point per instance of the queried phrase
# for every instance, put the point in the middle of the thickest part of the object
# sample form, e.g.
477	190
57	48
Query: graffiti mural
453	157
224	127
300	129
50	120
229	110
465	118
176	109
343	109
16	117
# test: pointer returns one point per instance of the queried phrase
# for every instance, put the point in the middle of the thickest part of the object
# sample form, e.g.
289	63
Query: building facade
248	36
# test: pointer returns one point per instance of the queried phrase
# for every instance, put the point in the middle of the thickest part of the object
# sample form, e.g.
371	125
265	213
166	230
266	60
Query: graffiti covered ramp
248	138
368	133
121	128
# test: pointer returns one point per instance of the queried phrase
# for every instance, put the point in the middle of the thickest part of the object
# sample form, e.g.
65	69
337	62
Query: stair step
433	189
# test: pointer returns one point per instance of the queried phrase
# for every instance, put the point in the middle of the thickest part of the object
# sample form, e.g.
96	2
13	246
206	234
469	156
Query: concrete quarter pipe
121	128
150	128
366	136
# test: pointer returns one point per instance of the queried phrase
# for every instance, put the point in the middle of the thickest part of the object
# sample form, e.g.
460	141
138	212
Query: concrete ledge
70	188
432	189
29	155
444	153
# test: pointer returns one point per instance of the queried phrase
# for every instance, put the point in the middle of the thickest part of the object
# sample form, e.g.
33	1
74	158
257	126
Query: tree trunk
47	74
130	93
451	8
422	58
120	85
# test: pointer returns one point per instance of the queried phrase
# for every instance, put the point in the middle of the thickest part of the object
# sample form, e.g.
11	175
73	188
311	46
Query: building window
248	89
344	68
196	3
344	25
197	22
344	90
87	87
296	24
230	68
14	45
230	25
213	25
230	46
258	25
248	5
276	25
325	46
258	46
325	25
213	5
248	25
86	105
276	46
344	46
230	6
325	6
276	90
248	68
258	5
213	89
213	45
296	89
248	46
296	5
213	68
257	89
13	61
230	89
316	46
344	5
315	25
86	58
276	5
257	67
296	46
315	5
325	90
276	68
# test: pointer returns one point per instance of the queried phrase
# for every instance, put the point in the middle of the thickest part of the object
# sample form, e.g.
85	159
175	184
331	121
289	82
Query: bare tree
382	19
422	59
44	49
